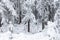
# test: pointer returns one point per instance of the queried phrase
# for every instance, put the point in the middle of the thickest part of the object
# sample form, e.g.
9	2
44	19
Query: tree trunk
0	22
19	10
43	24
29	25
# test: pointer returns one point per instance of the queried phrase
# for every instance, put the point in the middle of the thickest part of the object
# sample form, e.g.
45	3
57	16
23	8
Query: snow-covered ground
48	33
22	36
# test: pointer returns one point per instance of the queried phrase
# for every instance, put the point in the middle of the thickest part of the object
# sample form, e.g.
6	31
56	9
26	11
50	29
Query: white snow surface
22	36
28	36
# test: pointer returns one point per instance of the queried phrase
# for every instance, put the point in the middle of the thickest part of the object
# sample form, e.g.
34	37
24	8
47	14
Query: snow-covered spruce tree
57	19
12	12
28	15
45	8
18	9
8	14
3	27
41	10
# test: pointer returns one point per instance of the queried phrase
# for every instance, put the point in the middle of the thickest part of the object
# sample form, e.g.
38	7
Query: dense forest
29	16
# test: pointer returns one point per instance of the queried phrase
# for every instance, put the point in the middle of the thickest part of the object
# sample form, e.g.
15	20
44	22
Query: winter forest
31	19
